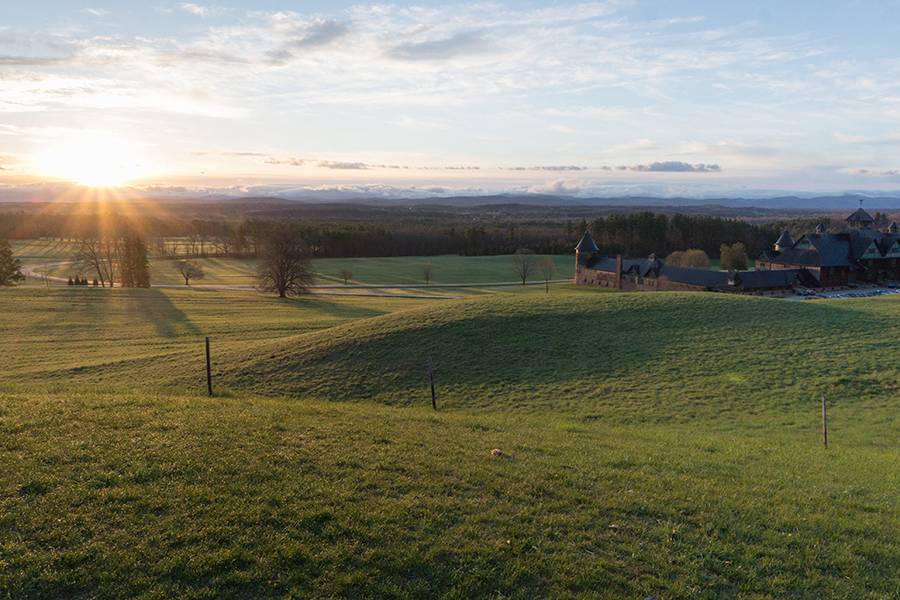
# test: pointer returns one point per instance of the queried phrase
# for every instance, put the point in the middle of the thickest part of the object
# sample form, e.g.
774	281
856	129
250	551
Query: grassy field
400	270
661	445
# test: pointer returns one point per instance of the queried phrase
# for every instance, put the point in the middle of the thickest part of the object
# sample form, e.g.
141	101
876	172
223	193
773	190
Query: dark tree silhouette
427	272
346	275
190	270
548	266
284	266
523	262
734	257
10	266
134	263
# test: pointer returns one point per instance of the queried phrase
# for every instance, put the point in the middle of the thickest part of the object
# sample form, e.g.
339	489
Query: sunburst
91	160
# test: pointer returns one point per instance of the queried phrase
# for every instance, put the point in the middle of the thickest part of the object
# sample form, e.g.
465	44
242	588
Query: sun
91	160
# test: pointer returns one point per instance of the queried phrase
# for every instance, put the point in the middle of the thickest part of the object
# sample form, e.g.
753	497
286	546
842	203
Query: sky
335	99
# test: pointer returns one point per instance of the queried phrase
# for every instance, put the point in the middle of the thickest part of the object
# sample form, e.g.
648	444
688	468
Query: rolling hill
661	445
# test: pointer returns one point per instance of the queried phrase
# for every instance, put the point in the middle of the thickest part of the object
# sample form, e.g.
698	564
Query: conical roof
893	227
586	244
860	217
785	241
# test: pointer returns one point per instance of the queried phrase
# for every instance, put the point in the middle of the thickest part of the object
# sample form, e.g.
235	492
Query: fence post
431	380
824	422
208	369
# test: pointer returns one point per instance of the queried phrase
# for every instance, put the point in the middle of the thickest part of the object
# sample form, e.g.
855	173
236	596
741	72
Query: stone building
652	274
862	254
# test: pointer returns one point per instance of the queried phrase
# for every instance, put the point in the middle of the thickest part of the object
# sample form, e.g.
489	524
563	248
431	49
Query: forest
341	231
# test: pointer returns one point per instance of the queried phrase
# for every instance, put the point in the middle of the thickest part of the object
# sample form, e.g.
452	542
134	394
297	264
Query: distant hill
287	198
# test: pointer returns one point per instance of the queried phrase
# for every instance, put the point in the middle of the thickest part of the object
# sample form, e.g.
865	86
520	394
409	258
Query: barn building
822	259
862	254
652	274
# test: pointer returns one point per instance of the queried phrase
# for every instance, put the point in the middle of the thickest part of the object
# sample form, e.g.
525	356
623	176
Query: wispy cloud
673	166
566	88
547	168
459	44
197	10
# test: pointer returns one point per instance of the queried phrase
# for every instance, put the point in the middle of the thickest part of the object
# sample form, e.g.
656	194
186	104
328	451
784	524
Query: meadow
661	445
56	258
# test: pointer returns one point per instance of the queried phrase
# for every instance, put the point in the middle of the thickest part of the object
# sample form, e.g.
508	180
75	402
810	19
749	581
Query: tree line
641	234
634	234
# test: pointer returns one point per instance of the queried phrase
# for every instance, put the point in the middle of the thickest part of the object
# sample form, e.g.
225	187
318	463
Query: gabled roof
860	217
586	244
785	241
834	249
887	242
860	241
608	264
695	276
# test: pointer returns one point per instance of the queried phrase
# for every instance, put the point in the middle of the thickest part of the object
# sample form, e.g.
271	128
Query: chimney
618	271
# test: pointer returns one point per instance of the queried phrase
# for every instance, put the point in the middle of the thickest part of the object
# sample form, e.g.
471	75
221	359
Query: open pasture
662	445
57	258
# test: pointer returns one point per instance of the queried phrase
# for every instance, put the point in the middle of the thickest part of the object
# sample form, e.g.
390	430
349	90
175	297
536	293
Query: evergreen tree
135	264
71	281
96	283
10	267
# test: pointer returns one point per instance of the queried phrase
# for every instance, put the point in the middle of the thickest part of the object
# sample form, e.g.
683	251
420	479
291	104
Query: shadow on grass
329	307
156	308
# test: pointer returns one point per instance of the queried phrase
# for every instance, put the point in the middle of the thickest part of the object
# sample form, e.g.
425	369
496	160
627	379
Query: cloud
460	44
30	61
96	12
293	162
860	140
230	153
547	168
342	166
558	187
673	166
877	172
195	9
317	34
320	33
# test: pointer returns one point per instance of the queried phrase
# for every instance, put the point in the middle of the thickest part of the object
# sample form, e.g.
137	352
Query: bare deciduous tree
688	258
190	270
346	275
523	261
100	256
548	266
284	266
427	272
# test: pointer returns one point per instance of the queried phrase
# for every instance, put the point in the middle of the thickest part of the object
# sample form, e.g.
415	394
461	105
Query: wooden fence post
824	422
208	369
431	380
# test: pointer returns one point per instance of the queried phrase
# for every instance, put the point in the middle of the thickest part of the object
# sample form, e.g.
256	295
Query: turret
893	228
860	219
784	242
820	229
586	249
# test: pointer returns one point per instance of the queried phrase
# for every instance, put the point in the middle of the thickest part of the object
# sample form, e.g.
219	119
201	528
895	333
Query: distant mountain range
812	203
799	202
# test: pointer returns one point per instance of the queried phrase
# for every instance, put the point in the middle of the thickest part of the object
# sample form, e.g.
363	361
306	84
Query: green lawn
663	445
404	270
